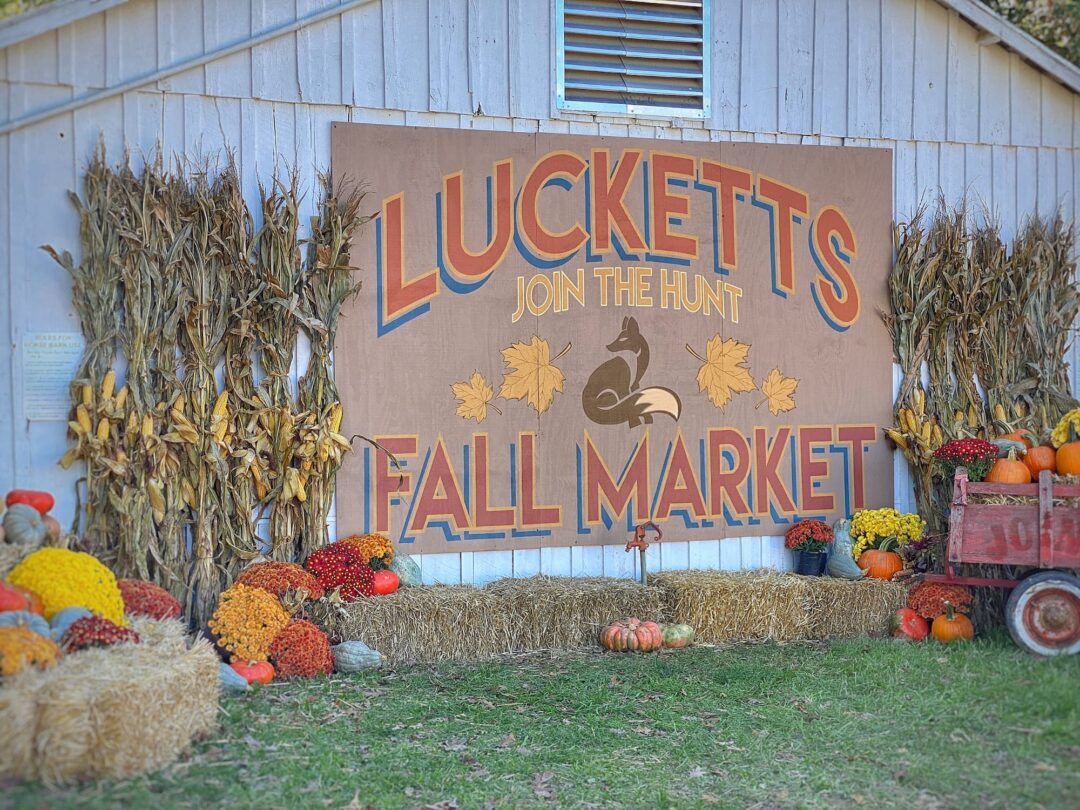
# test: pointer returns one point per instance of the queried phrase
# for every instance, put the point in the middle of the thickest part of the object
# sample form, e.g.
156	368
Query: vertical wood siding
901	74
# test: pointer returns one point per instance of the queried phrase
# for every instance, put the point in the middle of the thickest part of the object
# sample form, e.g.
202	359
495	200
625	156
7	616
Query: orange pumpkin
12	598
951	626
880	564
1022	436
1068	459
1039	459
632	635
1009	471
254	671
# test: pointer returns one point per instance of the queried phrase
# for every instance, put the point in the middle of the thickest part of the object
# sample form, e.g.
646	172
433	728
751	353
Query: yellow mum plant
874	528
246	621
1067	426
65	578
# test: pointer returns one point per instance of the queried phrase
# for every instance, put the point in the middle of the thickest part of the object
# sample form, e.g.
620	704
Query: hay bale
427	624
724	606
546	613
842	608
110	713
464	623
757	605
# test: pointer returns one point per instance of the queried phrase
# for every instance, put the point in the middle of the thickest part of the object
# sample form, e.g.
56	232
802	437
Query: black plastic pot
810	563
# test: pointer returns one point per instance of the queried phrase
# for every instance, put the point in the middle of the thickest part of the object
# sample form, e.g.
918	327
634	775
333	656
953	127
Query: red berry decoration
386	581
142	598
341	565
301	650
95	631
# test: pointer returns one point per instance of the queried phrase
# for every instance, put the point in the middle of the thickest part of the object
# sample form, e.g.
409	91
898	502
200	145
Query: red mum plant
975	454
142	598
809	535
928	598
342	565
301	650
95	631
279	578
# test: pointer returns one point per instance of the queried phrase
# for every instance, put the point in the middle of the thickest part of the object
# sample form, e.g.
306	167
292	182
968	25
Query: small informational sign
50	360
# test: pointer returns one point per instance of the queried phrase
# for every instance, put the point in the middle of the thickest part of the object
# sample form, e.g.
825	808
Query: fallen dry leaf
696	773
542	784
474	395
723	370
778	391
532	377
1046	767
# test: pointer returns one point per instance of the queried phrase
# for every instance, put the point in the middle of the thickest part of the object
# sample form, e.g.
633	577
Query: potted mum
809	541
876	533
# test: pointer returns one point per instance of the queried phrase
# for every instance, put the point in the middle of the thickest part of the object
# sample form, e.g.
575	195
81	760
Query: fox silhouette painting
613	394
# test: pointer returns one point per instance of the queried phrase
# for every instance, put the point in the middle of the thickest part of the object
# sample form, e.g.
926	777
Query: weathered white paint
902	74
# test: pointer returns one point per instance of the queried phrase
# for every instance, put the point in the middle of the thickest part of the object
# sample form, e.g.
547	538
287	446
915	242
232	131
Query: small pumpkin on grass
676	636
631	635
355	656
951	626
254	671
908	625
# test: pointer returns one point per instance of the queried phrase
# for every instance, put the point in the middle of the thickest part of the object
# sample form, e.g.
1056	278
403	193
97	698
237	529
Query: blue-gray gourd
840	562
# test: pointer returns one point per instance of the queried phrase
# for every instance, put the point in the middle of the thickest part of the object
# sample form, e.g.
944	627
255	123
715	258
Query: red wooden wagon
1043	611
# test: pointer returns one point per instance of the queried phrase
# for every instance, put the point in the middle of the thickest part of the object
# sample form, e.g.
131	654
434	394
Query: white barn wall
907	75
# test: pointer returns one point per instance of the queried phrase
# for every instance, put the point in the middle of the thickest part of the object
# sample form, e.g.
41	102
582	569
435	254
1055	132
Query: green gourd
355	656
24	618
676	636
840	563
406	569
230	679
1005	446
23	526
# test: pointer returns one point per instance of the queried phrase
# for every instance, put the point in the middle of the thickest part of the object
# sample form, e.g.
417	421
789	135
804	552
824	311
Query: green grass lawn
870	723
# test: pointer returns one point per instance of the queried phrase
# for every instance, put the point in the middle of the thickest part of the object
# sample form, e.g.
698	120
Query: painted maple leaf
779	392
723	370
475	396
532	375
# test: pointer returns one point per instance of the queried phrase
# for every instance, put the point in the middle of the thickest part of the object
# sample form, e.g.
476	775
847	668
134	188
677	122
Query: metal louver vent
634	56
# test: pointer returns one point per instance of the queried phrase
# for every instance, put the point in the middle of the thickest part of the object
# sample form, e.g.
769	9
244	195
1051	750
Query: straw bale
565	612
114	712
841	608
461	622
724	606
757	605
425	624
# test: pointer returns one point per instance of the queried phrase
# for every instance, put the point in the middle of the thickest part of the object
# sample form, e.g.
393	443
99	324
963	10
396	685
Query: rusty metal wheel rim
1051	615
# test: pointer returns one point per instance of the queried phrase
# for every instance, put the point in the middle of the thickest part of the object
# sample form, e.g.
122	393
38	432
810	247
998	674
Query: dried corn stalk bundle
180	467
328	283
202	419
95	294
277	325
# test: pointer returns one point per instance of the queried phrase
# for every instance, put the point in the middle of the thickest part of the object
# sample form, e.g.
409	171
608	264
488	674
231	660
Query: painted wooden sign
561	337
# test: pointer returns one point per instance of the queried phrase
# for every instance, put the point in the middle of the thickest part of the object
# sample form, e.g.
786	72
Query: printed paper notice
50	360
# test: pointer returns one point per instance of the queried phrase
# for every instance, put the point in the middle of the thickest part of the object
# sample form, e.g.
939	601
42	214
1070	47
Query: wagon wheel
1043	613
